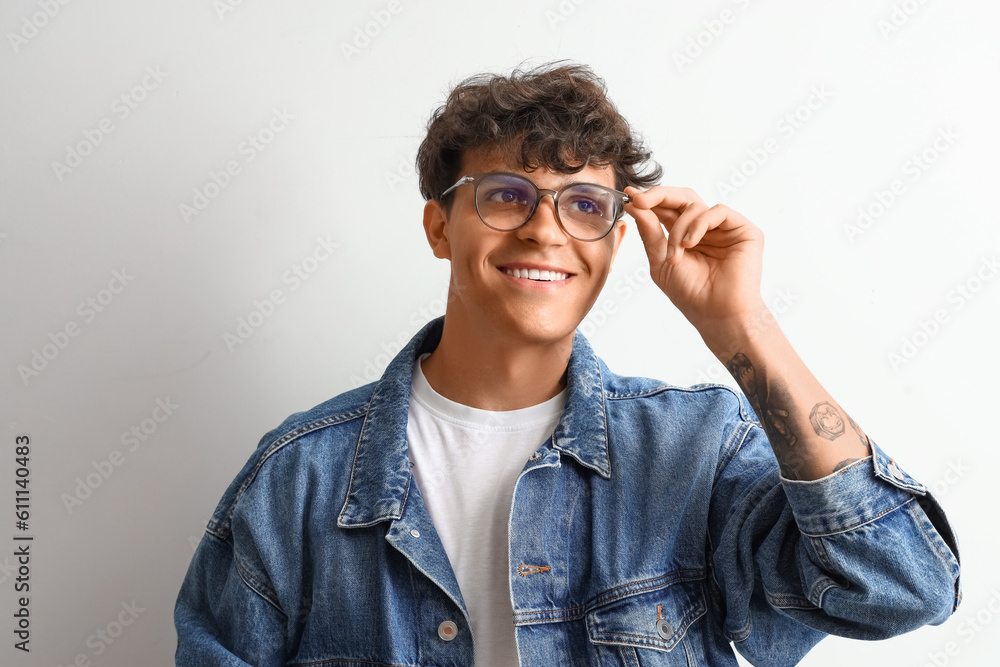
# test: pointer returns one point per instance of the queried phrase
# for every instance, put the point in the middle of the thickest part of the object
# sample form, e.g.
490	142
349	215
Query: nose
543	226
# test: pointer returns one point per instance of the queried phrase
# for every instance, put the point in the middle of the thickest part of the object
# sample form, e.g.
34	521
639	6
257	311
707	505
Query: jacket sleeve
227	611
864	553
219	616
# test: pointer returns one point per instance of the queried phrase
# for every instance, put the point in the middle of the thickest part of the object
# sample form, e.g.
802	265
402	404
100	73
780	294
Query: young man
500	497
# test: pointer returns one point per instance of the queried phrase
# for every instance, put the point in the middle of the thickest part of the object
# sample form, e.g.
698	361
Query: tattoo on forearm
861	434
778	415
843	464
778	420
826	421
772	403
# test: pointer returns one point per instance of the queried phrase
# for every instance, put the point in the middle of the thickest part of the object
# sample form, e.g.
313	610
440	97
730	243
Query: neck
493	372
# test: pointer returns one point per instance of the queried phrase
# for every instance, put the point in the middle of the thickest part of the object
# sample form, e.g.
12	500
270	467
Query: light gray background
894	77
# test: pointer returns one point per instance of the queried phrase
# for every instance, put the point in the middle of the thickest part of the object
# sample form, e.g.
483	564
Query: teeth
535	274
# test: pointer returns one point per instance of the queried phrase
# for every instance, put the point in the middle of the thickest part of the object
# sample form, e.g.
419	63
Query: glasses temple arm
461	181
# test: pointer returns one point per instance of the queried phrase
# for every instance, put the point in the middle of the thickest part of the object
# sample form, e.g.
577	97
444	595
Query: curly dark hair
557	114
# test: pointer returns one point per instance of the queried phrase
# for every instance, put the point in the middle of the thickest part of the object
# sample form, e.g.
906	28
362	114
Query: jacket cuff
851	497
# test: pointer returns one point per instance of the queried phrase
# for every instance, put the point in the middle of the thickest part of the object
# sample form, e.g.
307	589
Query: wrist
740	332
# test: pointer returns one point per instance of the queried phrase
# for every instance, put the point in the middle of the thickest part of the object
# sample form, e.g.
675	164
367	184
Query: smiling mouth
539	275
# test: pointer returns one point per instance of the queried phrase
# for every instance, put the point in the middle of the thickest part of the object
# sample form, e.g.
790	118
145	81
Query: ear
436	228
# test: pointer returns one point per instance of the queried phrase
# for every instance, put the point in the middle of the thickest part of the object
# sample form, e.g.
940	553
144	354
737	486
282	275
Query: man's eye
507	197
586	207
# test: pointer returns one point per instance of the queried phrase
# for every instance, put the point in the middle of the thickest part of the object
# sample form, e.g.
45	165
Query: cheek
599	261
470	254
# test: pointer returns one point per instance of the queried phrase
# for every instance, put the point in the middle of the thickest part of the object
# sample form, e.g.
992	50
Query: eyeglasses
585	211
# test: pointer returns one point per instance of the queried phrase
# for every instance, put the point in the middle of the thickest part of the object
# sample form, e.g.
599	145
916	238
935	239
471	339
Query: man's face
484	294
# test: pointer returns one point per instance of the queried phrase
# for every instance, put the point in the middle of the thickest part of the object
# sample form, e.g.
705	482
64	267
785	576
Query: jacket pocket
655	620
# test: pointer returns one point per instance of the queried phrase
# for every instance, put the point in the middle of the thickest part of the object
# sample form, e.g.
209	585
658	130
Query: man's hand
709	264
709	261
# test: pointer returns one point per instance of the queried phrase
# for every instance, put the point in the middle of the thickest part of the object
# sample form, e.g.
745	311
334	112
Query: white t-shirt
466	462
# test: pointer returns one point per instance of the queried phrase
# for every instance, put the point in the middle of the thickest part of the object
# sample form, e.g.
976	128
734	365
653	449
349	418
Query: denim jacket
652	528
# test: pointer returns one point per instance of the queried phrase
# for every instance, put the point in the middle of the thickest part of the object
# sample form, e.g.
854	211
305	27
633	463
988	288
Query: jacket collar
380	477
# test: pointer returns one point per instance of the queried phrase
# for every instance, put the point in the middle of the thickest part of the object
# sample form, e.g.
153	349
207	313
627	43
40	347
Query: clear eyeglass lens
505	202
586	211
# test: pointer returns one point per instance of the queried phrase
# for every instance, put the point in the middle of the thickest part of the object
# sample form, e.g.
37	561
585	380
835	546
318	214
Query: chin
539	329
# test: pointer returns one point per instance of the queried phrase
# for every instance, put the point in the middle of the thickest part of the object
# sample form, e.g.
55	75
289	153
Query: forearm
809	432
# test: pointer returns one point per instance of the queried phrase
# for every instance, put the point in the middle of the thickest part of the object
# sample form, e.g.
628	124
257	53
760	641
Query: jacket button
663	629
415	533
447	631
895	471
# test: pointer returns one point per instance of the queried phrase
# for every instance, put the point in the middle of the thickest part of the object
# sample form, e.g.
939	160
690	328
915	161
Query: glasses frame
620	200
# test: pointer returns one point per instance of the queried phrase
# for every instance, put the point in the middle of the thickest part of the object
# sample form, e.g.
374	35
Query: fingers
651	232
683	213
689	229
663	196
